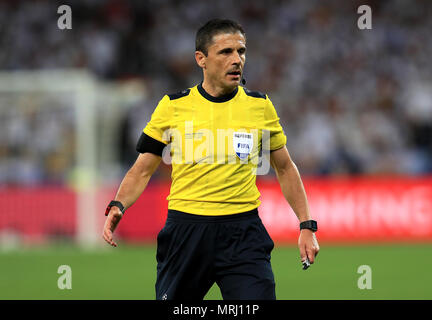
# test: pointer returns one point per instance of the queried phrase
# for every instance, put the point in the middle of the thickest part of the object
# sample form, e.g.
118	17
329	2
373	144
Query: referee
213	232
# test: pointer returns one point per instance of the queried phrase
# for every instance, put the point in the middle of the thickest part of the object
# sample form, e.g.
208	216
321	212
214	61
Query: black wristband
309	224
117	204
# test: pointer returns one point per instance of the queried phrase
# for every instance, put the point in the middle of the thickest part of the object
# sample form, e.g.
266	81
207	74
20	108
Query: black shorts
194	252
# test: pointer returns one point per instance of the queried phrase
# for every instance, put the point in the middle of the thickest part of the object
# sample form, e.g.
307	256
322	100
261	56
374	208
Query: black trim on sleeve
150	145
180	94
277	149
255	94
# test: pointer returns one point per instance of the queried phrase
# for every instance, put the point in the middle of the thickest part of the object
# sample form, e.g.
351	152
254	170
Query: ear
200	59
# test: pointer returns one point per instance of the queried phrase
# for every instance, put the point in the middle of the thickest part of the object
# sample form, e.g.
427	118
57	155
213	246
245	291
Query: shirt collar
224	98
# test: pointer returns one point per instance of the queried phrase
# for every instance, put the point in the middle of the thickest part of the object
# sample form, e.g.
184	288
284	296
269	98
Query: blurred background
356	106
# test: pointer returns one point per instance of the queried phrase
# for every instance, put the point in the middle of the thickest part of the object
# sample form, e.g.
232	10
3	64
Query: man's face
223	66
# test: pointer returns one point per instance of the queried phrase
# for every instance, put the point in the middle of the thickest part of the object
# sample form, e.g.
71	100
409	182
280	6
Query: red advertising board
355	209
347	210
37	214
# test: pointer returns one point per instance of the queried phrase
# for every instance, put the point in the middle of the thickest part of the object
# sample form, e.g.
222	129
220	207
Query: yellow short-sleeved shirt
215	146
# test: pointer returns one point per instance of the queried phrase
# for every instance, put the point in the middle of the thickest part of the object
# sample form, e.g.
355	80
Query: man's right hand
111	222
131	187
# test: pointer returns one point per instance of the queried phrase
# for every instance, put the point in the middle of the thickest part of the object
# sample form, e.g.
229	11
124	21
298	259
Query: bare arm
136	179
290	182
131	187
294	192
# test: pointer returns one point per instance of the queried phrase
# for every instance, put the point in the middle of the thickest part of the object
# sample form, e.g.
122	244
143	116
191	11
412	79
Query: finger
316	250
303	254
108	237
311	255
111	242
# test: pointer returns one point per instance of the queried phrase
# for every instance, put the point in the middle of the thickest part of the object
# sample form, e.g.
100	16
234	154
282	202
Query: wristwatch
117	204
309	224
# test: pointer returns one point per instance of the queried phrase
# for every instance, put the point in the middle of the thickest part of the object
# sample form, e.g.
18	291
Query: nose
236	59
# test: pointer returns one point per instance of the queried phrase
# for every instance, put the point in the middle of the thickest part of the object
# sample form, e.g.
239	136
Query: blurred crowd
351	101
36	140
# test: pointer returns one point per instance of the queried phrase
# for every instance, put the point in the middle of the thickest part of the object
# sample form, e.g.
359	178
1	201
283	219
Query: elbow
145	166
141	173
288	168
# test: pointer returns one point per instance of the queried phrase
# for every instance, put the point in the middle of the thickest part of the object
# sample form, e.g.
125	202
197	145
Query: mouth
234	74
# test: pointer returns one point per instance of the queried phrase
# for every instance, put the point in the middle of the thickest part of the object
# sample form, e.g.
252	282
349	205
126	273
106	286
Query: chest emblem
243	144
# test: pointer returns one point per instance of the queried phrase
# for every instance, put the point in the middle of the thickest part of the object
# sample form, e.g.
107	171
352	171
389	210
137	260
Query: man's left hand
308	245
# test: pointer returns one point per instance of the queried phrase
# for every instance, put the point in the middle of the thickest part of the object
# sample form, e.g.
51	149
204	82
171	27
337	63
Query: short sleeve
272	128
159	124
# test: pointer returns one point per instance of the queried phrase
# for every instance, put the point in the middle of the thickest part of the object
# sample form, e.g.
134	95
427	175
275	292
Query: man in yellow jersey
216	131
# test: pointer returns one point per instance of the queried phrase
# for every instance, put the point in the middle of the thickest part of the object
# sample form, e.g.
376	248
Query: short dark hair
205	34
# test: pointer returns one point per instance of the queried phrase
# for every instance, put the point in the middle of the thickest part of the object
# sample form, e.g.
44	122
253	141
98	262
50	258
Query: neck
215	90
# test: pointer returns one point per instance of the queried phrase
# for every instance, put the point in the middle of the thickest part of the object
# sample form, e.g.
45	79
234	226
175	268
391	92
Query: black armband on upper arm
150	145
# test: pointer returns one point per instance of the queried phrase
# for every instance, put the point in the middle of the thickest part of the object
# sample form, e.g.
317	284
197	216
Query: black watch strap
117	204
309	224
